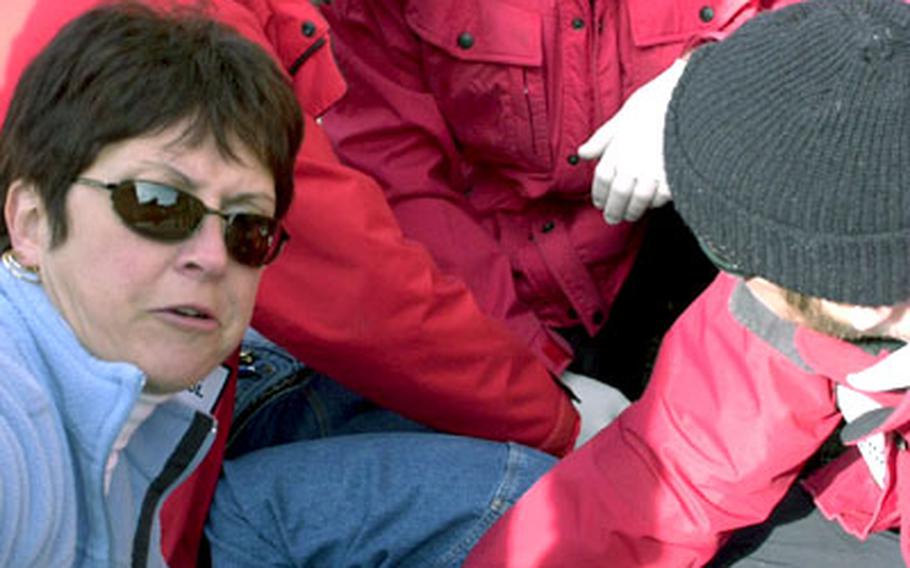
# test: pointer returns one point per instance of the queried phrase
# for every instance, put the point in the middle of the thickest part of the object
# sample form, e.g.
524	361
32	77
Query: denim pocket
266	374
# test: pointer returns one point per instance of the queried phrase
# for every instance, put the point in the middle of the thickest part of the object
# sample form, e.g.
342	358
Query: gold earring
17	269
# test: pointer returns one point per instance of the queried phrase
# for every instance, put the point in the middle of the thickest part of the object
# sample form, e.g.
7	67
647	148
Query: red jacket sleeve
388	125
720	434
352	297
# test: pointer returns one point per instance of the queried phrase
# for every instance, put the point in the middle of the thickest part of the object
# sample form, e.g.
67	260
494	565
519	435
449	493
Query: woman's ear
26	222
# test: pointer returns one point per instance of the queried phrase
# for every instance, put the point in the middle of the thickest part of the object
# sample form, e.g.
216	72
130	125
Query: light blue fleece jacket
60	412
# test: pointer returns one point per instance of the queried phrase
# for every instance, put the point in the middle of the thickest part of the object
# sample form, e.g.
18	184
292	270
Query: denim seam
498	504
320	412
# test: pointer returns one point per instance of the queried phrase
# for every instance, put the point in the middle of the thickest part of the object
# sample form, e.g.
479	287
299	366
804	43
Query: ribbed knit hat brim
787	149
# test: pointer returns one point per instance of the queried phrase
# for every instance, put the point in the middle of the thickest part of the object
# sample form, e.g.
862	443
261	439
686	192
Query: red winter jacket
738	401
350	295
469	113
353	298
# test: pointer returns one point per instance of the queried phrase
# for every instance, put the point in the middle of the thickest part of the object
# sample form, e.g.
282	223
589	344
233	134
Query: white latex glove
597	405
892	372
630	177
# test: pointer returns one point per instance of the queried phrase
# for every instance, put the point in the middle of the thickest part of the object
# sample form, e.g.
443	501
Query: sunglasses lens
253	240
157	211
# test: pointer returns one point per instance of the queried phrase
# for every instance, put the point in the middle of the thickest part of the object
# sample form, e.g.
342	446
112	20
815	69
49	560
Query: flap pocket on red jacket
480	31
654	22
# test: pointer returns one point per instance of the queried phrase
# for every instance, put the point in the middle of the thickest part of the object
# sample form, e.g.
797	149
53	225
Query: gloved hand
630	176
597	405
892	372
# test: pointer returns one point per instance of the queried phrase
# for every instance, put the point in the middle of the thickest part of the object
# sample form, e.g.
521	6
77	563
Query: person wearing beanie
773	430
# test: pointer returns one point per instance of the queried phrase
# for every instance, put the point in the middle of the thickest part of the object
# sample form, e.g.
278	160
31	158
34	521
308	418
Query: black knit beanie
787	149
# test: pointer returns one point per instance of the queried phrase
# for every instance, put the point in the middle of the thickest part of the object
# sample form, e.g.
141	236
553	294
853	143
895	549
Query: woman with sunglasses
145	167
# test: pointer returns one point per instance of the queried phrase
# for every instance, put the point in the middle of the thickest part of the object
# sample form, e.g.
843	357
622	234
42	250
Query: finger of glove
600	185
892	372
662	196
618	197
594	146
585	433
641	200
568	378
617	405
600	404
593	393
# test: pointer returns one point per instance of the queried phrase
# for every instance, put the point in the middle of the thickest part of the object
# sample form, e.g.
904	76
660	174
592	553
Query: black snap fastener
706	14
308	28
572	313
578	23
465	40
573	159
598	317
548	226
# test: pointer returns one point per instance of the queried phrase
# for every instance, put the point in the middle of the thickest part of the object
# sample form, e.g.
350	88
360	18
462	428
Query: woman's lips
189	317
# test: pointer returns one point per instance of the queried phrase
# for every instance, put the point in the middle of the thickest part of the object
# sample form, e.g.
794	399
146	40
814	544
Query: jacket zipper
191	450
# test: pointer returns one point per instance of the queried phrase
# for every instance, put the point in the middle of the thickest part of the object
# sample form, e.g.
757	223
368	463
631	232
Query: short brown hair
122	71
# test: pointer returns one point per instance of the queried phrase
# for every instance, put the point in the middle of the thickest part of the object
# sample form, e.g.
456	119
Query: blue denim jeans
280	400
319	476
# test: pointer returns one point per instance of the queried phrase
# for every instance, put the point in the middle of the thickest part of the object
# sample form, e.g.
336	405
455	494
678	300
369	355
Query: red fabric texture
469	112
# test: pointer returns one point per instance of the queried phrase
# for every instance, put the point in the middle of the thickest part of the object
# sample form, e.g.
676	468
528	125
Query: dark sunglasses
167	214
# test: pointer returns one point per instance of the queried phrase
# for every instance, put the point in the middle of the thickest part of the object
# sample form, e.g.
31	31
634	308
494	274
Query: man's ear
897	324
26	222
869	319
